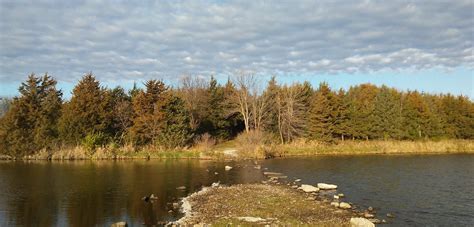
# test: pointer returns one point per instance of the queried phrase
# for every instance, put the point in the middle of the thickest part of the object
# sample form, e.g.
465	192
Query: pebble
345	205
335	204
390	215
375	220
119	224
227	168
361	222
368	215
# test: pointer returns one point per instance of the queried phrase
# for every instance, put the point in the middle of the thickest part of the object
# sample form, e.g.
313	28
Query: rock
119	224
227	168
370	209
335	204
175	205
368	215
336	197
146	198
325	186
181	188
257	167
297	180
390	215
340	195
170	211
272	174
375	220
344	205
251	219
215	173
153	197
215	184
361	222
294	186
309	188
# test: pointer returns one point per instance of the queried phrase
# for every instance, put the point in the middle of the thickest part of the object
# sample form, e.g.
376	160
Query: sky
410	45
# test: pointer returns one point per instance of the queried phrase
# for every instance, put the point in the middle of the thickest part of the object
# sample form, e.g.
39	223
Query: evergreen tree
31	122
88	112
148	116
175	130
386	114
219	126
323	114
415	116
272	94
361	110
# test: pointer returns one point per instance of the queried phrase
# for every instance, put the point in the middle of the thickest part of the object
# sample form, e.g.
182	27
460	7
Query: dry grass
256	145
302	147
204	143
277	204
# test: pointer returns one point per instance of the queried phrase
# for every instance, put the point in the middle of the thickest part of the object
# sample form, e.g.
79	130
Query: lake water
418	190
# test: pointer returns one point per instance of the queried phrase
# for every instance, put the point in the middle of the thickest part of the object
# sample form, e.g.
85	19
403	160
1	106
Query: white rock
335	204
325	186
227	168
120	224
368	215
251	219
345	205
309	188
361	222
272	174
215	184
297	180
336	197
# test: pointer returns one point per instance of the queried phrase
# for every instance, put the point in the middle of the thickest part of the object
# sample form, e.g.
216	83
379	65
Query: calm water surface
419	190
425	190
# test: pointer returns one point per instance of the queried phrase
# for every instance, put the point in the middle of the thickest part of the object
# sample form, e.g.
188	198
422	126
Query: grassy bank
374	147
237	149
258	204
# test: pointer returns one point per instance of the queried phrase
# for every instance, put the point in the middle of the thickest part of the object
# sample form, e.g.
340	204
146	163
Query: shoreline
296	149
275	201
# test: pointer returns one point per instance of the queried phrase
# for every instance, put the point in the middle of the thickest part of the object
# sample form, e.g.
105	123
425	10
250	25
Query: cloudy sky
424	45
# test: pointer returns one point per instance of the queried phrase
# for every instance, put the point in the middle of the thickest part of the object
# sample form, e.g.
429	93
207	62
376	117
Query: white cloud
140	39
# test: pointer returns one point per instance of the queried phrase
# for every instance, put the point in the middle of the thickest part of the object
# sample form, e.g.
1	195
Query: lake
418	190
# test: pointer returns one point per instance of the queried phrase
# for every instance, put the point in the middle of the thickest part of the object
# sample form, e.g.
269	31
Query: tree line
163	116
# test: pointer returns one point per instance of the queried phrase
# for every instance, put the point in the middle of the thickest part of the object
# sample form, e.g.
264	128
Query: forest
166	117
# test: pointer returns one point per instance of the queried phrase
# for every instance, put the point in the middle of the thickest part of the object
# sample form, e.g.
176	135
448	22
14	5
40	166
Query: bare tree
193	91
292	109
249	101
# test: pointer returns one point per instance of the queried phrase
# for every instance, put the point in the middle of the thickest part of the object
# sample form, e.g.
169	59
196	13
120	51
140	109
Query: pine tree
323	114
215	111
272	94
31	122
88	112
386	114
147	112
415	116
175	130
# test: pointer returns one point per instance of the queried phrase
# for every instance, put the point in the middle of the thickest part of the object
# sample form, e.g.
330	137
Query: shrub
94	140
